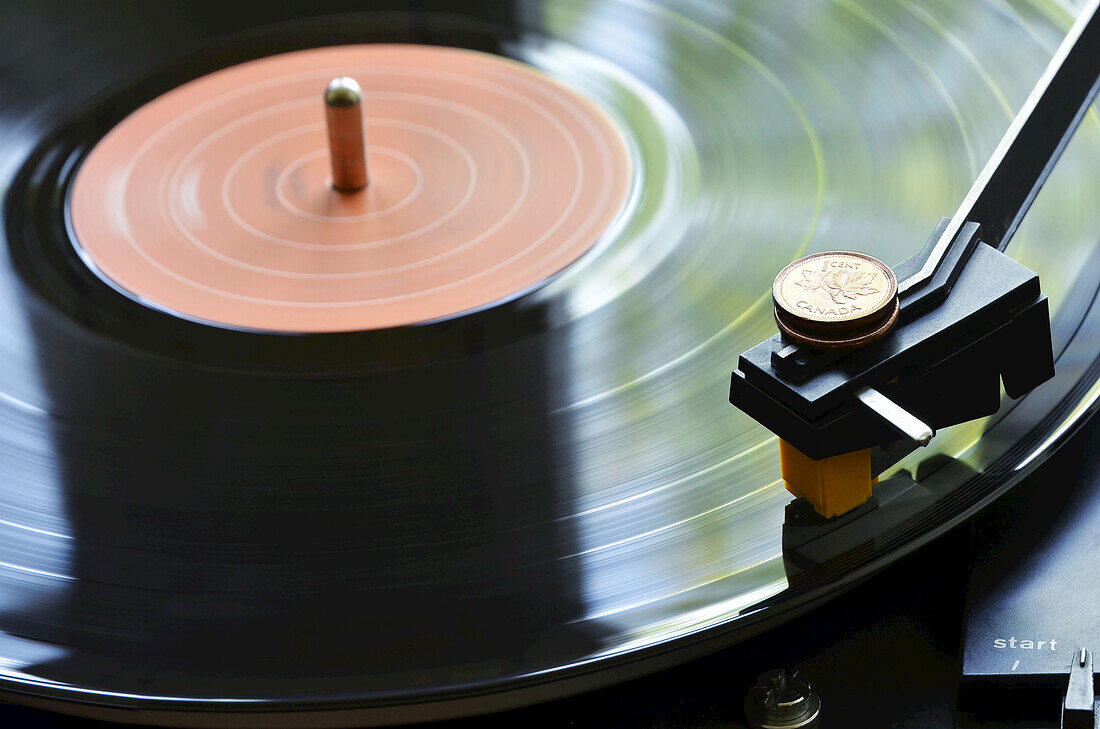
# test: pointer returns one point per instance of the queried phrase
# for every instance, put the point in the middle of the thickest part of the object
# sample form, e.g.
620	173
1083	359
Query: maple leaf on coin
862	283
844	285
811	279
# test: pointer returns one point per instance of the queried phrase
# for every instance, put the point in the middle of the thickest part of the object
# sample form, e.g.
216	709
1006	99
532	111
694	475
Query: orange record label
214	201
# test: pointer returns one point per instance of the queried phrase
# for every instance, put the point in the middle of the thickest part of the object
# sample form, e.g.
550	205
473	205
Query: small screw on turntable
782	700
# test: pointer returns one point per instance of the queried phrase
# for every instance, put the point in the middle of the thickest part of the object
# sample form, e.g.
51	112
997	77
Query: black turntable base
366	364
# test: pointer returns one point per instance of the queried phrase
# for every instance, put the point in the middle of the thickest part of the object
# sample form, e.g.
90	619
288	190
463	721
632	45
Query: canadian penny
834	290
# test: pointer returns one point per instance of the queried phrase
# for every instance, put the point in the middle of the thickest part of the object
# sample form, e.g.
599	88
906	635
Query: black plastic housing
943	362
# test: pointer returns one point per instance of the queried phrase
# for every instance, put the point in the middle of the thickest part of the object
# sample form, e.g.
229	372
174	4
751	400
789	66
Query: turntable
371	364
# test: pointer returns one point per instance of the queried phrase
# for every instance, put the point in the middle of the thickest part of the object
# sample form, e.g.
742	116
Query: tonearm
966	317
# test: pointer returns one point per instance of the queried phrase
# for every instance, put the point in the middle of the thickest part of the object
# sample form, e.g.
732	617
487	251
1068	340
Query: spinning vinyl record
460	439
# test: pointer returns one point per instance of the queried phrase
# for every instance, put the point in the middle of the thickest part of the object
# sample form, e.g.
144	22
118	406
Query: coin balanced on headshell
835	300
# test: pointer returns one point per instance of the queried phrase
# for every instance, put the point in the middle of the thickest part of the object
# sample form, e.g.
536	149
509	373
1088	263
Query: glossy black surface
527	501
885	654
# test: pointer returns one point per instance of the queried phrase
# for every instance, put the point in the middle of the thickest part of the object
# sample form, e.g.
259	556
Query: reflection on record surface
530	493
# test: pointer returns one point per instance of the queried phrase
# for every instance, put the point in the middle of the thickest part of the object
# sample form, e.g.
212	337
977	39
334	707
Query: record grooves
211	523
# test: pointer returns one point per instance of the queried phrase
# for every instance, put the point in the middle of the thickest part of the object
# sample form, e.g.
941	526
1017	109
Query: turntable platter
546	494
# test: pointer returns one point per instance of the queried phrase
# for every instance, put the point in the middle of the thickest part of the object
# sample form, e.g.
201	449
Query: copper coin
834	290
842	339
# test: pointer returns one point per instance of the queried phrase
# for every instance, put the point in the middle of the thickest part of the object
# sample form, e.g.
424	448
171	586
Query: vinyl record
210	514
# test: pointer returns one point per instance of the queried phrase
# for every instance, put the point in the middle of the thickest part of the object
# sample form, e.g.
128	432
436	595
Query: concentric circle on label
214	202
